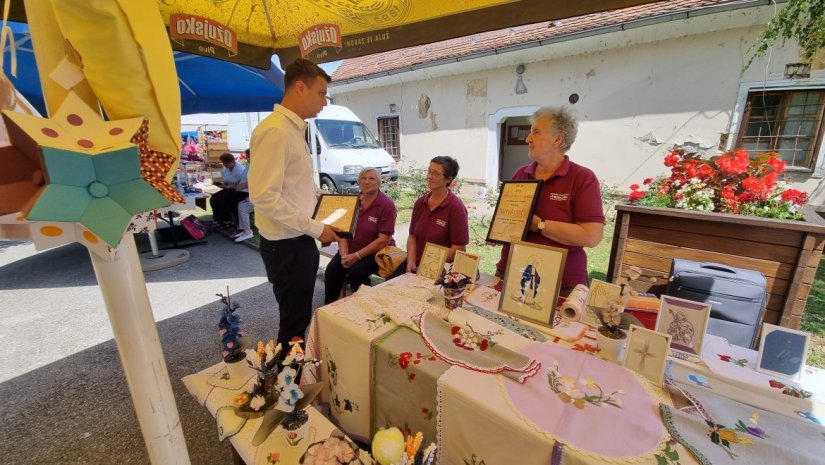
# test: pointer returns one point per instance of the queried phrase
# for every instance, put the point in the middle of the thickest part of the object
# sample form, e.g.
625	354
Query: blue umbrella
207	85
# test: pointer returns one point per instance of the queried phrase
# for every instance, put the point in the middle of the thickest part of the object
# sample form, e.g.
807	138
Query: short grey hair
368	169
562	121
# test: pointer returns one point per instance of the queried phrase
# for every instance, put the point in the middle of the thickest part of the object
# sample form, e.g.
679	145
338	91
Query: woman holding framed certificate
375	225
438	217
568	213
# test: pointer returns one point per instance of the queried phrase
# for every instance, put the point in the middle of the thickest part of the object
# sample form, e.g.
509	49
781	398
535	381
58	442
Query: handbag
389	258
194	227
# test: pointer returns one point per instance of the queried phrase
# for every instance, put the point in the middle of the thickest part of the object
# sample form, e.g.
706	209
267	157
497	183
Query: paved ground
64	395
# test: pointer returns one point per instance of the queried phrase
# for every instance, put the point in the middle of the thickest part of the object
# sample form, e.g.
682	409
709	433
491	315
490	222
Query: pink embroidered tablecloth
580	400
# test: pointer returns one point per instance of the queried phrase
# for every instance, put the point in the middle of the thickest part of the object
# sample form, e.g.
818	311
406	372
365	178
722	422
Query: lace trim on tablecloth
667	419
658	396
507	322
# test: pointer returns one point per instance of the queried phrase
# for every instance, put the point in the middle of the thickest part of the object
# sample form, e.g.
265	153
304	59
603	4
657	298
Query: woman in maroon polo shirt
355	260
438	216
569	211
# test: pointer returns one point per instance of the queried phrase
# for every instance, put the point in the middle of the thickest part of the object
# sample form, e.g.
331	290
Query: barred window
389	136
788	122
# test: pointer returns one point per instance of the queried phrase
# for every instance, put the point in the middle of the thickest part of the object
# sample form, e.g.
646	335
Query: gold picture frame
532	281
338	210
432	261
514	211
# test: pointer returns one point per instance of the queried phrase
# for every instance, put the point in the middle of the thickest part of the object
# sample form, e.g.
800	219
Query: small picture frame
532	280
686	322
466	264
646	353
599	297
432	261
338	210
782	351
514	211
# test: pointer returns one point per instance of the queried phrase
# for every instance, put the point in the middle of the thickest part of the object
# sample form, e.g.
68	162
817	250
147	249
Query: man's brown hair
303	70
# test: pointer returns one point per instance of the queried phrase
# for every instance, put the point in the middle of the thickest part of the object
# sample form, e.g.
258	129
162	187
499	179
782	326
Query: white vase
611	349
239	369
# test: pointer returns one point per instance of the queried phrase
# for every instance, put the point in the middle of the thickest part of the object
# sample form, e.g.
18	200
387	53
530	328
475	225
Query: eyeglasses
434	173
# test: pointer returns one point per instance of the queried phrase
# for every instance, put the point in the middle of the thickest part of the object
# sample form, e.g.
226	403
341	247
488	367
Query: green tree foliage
802	20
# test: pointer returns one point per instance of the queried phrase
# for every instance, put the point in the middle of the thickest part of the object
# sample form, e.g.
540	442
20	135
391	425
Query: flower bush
727	183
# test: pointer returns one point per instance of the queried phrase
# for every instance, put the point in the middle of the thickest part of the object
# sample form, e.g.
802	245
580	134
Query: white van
340	144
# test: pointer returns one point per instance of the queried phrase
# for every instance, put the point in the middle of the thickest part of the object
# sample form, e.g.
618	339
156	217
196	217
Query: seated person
569	211
235	188
438	216
355	260
245	208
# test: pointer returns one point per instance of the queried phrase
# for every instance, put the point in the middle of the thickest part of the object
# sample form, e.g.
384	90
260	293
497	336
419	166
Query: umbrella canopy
207	85
250	31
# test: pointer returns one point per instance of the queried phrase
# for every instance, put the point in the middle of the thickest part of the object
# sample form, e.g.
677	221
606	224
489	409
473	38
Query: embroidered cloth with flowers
729	183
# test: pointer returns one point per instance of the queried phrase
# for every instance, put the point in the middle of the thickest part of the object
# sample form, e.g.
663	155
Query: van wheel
328	185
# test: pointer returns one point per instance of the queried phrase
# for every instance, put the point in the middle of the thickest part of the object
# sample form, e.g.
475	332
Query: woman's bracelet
357	255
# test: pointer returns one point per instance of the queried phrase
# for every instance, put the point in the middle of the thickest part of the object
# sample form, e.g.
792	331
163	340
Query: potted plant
611	339
233	342
452	287
730	209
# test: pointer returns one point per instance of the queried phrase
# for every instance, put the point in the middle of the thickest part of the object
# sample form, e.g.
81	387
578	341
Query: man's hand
328	235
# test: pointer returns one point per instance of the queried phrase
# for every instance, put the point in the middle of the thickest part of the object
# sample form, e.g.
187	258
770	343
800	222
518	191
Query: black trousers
357	275
291	266
225	204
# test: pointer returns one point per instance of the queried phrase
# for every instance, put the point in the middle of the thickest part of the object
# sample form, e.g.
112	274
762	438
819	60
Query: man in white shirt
225	202
282	189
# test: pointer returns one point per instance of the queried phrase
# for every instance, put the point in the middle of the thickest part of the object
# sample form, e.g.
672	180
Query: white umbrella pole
124	292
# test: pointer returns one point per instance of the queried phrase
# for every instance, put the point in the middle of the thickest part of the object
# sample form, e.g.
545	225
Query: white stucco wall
641	92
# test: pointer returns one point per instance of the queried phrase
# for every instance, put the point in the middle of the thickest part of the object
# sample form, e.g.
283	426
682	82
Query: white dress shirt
280	178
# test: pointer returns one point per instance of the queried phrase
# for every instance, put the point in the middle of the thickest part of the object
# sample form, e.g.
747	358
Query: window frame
737	118
378	132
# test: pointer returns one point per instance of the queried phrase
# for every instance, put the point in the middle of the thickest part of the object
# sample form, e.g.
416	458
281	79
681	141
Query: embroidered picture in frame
432	261
782	351
646	353
599	297
466	264
686	322
532	280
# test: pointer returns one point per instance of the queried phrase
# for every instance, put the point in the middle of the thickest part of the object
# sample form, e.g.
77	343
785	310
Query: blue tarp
206	85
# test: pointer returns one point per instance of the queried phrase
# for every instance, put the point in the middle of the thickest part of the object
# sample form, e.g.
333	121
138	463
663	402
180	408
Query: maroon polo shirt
379	217
571	195
446	225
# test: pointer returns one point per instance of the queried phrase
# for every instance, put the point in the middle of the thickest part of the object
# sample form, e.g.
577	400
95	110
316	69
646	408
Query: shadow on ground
78	410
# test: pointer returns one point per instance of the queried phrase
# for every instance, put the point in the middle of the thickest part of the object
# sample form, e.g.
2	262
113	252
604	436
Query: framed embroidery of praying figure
514	211
432	261
686	321
782	351
532	280
646	353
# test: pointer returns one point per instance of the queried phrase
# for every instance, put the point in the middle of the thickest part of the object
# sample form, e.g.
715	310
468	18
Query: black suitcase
737	297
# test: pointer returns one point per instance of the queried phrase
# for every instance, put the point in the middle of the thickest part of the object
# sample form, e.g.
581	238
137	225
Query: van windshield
346	134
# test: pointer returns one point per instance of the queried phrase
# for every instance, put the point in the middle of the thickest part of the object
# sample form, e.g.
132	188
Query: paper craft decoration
514	211
646	353
466	264
686	322
432	261
21	179
532	280
782	351
340	211
154	165
600	295
91	169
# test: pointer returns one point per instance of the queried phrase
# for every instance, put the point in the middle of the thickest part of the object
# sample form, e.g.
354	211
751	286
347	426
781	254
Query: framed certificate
532	280
338	210
514	210
432	261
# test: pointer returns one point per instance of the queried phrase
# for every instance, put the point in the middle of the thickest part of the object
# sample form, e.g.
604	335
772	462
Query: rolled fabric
574	306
